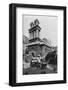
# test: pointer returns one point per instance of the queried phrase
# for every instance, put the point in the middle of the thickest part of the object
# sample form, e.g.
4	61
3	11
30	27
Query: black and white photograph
39	44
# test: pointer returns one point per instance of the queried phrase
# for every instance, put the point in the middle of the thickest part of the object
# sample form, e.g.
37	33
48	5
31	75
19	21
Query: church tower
34	31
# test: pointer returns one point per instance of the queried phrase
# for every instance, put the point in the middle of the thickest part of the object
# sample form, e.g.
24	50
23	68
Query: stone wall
36	49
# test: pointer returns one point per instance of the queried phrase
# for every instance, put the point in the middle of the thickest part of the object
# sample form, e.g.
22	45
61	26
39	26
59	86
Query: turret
34	30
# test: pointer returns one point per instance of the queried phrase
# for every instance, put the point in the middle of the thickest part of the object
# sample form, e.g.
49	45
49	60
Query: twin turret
35	23
34	30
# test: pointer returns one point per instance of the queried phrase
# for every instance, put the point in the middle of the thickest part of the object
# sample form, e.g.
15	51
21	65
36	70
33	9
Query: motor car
35	62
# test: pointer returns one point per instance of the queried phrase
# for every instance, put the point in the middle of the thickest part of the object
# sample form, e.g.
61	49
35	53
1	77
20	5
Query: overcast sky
48	26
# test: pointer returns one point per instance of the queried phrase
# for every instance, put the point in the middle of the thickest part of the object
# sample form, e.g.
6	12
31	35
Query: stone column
36	33
30	35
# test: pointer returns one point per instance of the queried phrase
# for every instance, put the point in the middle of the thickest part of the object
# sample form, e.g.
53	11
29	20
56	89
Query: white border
19	53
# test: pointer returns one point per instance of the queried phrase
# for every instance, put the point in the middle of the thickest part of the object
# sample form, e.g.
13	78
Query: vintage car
35	62
38	62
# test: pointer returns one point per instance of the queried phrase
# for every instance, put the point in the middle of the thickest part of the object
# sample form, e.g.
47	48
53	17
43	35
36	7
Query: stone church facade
36	45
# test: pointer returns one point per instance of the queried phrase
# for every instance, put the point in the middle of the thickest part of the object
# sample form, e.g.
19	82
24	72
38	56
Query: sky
48	24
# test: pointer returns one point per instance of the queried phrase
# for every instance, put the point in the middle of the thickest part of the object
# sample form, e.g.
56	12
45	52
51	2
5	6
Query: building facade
37	46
